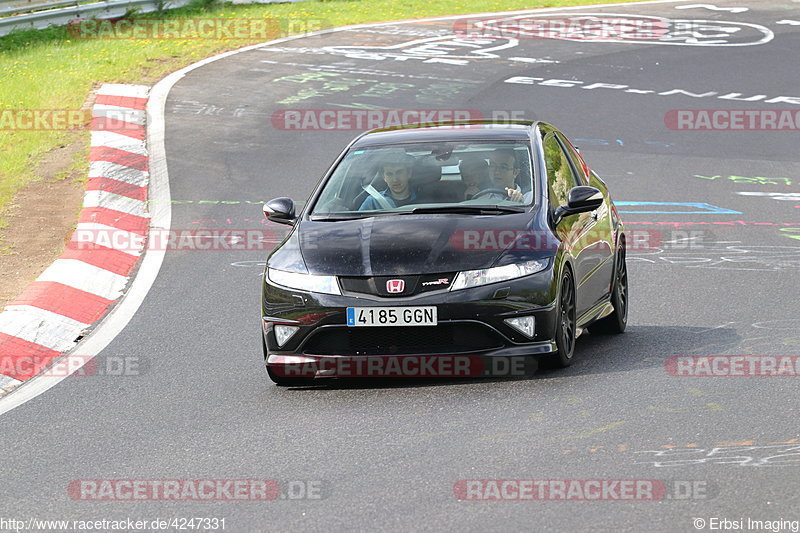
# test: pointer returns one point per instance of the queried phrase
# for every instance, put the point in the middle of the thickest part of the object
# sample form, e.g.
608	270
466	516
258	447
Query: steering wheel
493	190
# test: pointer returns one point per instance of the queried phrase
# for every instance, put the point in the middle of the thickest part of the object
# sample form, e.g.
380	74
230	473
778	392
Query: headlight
304	282
474	278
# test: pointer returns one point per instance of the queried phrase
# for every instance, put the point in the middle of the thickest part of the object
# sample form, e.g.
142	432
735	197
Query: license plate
391	316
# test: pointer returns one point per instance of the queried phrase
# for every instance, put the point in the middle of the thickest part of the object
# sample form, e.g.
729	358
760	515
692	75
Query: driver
504	169
397	175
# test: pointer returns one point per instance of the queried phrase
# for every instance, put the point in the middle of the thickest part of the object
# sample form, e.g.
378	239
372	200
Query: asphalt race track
719	277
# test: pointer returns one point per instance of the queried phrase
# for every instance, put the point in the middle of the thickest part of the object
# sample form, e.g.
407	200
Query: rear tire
565	328
616	322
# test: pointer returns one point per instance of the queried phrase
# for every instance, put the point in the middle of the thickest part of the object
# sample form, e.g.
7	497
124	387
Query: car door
571	230
597	241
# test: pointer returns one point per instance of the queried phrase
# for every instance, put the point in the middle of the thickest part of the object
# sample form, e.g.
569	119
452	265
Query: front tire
617	321
565	329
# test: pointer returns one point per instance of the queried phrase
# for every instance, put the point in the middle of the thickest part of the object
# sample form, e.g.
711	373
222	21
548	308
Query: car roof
484	130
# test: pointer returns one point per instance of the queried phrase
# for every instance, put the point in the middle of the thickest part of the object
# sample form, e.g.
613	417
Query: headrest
425	173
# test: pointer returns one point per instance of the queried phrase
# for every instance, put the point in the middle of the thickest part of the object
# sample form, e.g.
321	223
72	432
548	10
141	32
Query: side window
577	162
560	178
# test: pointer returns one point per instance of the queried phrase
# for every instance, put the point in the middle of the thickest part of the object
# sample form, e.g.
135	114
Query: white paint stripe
107	169
119	141
42	327
7	382
712	7
120	89
113	238
134	116
85	277
113	323
109	200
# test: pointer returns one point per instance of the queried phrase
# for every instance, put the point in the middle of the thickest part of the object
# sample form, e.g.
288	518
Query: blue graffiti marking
701	208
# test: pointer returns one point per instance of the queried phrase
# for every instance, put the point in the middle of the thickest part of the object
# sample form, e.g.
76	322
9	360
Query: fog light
284	333
524	324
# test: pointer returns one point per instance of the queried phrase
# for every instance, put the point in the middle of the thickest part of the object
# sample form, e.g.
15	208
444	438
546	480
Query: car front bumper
471	326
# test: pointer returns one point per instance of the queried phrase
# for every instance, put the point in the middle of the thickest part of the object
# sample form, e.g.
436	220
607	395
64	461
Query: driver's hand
514	195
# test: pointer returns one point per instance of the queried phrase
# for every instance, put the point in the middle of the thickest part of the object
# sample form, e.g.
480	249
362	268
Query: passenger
397	175
504	169
475	175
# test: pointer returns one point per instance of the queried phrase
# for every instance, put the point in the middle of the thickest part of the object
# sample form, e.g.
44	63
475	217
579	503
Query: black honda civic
444	250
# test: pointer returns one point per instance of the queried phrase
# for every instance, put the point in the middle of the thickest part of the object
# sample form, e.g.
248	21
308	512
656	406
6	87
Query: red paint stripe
117	187
132	102
21	359
64	300
120	157
115	219
115	261
115	125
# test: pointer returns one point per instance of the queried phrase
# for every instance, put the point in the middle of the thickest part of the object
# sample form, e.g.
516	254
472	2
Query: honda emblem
395	286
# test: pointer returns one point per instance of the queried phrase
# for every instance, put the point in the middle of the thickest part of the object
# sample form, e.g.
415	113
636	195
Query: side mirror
580	199
280	210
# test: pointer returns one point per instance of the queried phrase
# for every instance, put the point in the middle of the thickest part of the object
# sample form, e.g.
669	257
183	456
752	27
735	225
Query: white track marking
118	141
112	89
109	200
125	114
7	382
103	235
85	277
102	169
712	7
24	322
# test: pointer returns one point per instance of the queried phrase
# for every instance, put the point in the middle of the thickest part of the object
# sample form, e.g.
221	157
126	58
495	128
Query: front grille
414	284
441	339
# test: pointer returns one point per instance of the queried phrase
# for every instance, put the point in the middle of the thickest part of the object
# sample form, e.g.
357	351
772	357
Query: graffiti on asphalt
683	32
759	180
324	84
448	50
723	255
769	455
578	84
682	208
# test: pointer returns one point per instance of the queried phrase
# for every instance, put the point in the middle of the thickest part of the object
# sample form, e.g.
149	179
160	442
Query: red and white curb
74	293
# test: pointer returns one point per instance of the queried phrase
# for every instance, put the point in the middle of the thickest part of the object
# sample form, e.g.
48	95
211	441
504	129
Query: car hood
409	244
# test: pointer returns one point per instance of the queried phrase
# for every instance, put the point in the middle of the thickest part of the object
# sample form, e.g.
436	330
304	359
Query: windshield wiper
470	209
355	216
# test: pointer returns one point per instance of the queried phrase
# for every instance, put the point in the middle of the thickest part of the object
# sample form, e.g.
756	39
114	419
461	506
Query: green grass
50	69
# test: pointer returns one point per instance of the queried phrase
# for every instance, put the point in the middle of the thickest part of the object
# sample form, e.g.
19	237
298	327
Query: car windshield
491	177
